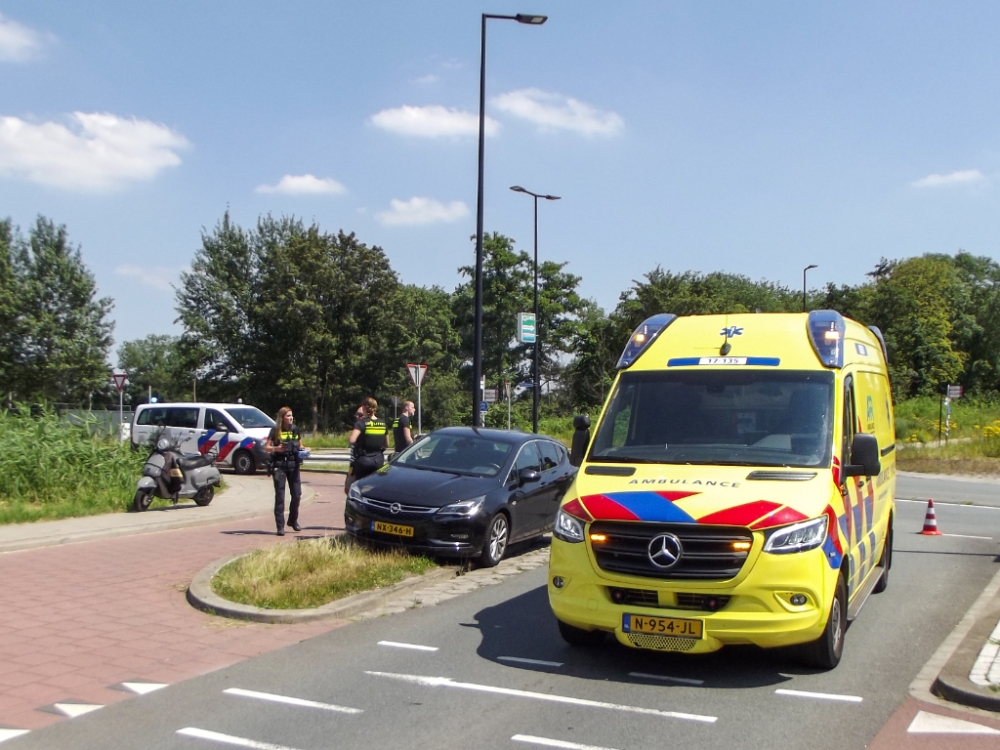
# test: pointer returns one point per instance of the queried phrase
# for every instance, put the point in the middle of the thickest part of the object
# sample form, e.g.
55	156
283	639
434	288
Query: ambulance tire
825	652
580	637
886	562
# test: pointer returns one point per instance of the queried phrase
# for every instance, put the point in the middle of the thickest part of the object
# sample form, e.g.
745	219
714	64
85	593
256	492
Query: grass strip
312	572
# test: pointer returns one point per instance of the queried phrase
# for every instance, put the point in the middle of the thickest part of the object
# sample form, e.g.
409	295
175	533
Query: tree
155	363
61	335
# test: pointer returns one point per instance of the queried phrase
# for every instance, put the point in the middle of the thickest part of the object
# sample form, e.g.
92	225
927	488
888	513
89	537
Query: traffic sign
490	395
954	391
417	373
526	328
484	407
119	379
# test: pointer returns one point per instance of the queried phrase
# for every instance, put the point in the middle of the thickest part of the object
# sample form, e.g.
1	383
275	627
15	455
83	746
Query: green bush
50	468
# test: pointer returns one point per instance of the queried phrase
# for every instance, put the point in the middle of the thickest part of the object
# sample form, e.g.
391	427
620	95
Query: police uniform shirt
372	437
397	431
283	439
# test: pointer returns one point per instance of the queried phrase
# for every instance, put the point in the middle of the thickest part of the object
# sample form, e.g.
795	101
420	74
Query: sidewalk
94	609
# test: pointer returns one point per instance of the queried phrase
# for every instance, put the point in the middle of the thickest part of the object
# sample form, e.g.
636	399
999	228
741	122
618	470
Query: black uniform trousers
286	472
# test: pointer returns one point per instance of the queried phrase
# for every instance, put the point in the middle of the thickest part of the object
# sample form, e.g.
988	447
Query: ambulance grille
708	553
661	642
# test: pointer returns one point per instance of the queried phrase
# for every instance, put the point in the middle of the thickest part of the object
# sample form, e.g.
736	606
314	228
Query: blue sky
753	138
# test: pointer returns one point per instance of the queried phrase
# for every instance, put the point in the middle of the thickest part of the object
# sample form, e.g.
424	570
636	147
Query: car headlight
354	494
463	509
798	537
568	528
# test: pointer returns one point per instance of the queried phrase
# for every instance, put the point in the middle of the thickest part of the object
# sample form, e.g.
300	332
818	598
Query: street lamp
538	378
804	286
477	352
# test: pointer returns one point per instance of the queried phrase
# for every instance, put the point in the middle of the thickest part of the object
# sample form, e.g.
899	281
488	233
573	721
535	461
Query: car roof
515	437
190	405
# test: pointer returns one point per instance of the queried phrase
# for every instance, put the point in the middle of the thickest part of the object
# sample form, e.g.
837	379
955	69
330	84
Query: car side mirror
581	438
527	475
865	459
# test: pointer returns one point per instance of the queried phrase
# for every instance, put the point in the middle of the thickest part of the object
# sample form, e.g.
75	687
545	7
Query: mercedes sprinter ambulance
738	488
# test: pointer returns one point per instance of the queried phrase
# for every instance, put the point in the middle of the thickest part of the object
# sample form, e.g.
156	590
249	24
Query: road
488	669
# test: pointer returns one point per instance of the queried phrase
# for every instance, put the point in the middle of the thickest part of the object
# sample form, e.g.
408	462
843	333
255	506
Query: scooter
170	475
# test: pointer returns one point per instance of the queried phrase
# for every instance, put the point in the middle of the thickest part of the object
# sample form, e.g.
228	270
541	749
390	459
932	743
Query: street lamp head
809	267
531	20
518	189
550	197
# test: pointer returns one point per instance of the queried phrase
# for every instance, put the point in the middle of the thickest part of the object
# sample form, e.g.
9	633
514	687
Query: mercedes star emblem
664	550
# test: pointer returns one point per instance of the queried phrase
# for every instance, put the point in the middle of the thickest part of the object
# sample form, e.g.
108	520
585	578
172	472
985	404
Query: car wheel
886	562
243	463
497	536
142	500
580	637
204	496
825	652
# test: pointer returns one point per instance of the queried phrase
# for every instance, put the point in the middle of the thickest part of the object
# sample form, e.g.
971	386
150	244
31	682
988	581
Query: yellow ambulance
737	489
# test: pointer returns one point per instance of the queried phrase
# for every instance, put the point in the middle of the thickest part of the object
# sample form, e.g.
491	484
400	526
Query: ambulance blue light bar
826	332
642	337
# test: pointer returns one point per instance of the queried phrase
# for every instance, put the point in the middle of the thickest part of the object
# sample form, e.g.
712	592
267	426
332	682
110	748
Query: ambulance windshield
738	416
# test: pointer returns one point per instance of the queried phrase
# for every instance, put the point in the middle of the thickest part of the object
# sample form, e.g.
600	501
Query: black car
462	492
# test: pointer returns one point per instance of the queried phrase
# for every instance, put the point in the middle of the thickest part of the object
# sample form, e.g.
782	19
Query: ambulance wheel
243	463
886	562
580	637
142	500
825	652
204	495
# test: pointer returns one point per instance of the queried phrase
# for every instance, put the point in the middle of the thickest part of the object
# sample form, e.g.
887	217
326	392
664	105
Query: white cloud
429	78
556	111
97	152
963	177
304	184
422	211
431	122
158	278
19	43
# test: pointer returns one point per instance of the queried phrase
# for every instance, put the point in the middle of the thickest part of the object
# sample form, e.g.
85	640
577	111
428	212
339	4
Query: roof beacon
826	332
642	337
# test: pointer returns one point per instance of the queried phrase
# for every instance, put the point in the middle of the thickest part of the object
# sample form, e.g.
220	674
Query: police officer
284	443
402	430
369	438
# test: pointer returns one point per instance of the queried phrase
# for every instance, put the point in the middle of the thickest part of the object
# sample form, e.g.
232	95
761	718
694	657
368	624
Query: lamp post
477	351
537	375
804	286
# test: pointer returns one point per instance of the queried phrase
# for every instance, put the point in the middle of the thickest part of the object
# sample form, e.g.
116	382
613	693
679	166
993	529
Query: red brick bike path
77	619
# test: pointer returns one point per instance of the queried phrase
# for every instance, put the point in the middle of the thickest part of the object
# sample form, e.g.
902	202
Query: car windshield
724	417
457	454
249	417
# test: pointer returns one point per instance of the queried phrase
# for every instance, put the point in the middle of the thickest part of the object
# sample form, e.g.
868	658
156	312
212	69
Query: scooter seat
194	461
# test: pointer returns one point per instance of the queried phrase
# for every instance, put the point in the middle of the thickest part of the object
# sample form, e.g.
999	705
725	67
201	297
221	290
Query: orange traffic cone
930	521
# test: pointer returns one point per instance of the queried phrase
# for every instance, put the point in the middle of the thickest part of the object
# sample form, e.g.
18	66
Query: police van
236	432
737	489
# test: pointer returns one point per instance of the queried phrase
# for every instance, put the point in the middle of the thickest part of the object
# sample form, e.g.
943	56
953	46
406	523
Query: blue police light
826	333
642	337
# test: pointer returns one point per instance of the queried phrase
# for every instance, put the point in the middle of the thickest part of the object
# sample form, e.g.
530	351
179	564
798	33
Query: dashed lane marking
968	536
821	696
537	662
414	646
684	680
448	682
928	723
291	701
555	743
9	734
228	739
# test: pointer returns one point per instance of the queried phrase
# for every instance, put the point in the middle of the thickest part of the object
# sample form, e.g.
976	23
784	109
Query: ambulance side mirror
581	438
865	460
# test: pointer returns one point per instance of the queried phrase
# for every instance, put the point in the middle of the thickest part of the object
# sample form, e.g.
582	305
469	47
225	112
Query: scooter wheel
205	495
142	500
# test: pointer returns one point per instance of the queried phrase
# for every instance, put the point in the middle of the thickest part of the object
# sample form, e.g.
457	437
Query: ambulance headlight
567	528
798	537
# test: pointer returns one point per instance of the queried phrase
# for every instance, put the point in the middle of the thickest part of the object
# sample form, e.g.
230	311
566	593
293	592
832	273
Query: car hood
431	489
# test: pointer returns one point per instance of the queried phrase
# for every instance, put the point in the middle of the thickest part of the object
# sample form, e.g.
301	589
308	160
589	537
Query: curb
200	596
953	682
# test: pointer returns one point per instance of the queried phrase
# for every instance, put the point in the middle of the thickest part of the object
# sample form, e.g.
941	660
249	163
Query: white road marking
228	739
823	696
414	646
530	661
141	688
291	701
555	743
72	710
928	723
969	536
945	502
448	682
9	734
685	680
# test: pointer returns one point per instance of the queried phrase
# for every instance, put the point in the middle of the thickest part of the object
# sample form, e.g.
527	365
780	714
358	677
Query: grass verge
311	573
